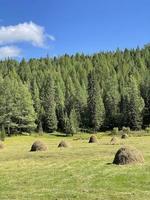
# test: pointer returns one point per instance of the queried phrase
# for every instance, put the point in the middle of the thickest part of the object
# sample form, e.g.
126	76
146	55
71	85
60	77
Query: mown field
82	171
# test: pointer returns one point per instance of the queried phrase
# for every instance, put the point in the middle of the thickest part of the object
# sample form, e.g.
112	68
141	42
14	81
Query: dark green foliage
147	129
16	105
134	105
74	124
126	129
71	93
96	110
49	105
2	134
115	131
67	125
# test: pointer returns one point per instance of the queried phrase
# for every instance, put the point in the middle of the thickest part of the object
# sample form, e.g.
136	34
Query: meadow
82	171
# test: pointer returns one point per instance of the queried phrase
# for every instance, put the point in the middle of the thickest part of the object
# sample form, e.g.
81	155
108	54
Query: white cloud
24	32
51	37
9	51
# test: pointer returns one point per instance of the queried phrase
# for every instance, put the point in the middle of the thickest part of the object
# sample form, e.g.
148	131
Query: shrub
147	129
126	129
115	131
25	134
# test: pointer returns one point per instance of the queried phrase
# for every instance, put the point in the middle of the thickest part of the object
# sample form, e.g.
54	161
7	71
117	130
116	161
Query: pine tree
135	106
67	125
25	114
49	105
16	106
111	101
60	107
96	111
74	124
36	102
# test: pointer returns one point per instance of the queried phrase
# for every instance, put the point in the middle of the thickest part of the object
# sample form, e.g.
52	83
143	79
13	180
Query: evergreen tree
36	102
49	105
96	110
74	124
135	106
101	91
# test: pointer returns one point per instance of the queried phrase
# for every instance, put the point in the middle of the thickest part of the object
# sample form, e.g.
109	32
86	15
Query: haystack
38	146
113	141
63	144
93	139
124	136
128	155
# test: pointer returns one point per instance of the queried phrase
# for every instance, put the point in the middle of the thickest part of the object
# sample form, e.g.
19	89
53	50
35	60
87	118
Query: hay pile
38	146
124	136
113	141
93	139
128	155
63	144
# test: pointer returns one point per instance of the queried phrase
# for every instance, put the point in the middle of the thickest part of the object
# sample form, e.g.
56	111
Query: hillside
80	92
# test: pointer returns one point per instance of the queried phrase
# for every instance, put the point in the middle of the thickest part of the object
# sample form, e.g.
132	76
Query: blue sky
35	28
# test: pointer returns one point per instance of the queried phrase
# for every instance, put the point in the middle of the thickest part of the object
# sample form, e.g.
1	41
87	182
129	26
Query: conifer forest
78	92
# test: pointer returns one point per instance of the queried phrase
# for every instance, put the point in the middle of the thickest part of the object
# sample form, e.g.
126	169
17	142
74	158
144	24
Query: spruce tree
49	105
96	110
74	124
135	106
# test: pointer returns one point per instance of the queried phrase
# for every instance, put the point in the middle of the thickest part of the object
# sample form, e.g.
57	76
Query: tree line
79	92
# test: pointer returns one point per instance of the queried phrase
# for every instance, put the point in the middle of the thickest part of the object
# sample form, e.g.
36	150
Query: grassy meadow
82	171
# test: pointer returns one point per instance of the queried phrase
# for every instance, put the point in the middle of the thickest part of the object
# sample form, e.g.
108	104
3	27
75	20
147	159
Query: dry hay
113	141
128	155
124	136
93	139
63	144
38	146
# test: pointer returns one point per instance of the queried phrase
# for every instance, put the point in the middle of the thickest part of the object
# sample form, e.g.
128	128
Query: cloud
51	37
9	51
24	32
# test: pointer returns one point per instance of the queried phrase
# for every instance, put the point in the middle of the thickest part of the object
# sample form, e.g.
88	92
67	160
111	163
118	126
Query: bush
147	129
126	129
115	131
25	134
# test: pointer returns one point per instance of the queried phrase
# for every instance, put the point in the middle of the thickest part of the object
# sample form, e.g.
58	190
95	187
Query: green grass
79	172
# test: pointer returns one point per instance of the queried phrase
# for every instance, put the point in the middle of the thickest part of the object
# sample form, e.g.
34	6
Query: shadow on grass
109	163
61	135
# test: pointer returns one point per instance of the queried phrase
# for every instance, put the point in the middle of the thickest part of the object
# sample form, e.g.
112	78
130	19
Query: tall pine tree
96	110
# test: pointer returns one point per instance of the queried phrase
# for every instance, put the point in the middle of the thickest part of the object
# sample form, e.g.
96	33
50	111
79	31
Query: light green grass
79	172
